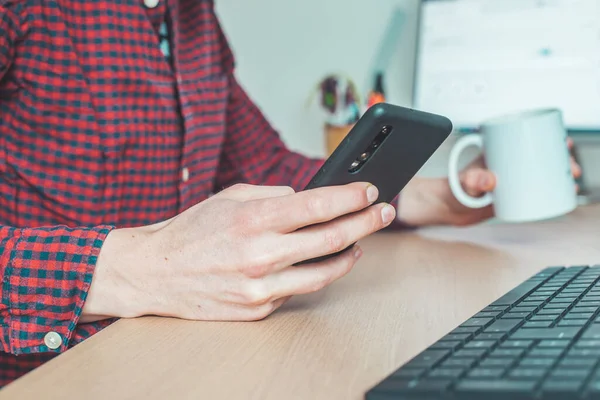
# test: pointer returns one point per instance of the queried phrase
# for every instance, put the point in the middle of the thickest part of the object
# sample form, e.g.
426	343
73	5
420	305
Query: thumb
478	181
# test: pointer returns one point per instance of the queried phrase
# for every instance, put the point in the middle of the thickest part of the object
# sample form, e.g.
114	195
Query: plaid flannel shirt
98	129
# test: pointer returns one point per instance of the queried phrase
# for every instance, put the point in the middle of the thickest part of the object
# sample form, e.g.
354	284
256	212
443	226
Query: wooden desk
408	290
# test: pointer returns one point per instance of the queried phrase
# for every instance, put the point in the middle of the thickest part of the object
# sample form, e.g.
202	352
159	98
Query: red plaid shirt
98	129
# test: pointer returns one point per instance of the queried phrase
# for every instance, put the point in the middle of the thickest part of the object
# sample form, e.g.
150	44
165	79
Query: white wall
284	47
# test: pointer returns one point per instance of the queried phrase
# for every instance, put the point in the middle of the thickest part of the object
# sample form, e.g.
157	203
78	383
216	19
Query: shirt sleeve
253	151
46	275
10	31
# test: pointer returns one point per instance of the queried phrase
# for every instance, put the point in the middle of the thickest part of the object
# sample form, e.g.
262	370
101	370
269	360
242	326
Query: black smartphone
386	147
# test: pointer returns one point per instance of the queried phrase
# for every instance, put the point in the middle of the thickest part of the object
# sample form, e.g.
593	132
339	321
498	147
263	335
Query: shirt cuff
47	276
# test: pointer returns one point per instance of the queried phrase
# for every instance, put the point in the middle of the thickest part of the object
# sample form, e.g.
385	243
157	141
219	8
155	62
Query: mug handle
454	173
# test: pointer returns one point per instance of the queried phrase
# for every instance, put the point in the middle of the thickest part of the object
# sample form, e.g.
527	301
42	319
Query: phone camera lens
364	156
385	130
354	164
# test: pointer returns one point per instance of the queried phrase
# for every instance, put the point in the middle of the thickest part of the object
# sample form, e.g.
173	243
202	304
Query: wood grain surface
407	291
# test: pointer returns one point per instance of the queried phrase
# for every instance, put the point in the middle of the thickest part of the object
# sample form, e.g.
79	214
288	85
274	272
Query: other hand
232	256
431	201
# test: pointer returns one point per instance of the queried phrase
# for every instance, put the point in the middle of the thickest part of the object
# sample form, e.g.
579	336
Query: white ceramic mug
528	154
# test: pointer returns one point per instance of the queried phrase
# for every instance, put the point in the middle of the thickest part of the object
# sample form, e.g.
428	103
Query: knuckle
262	312
316	206
261	265
320	283
334	240
256	294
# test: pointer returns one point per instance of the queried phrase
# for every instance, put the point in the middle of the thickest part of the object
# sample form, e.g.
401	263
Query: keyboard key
573	322
546	352
527	373
470	353
545	293
409	373
482	372
490	336
550	311
428	358
446	345
487	386
541	299
570	374
537	324
516	315
535	304
548	333
503	325
512	353
461	363
480	344
456	337
497	362
584	352
592	333
550	318
478	322
559	305
527	309
530	362
517	293
509	344
587	343
584	309
429	386
449	373
497	308
581	363
554	343
470	329
487	314
561	387
572	315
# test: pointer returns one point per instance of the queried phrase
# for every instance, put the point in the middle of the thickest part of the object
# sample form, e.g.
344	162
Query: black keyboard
541	340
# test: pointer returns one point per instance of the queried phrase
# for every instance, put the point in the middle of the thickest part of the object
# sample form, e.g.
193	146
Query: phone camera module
386	130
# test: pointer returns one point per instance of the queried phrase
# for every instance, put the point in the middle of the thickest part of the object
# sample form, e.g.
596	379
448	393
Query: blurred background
466	59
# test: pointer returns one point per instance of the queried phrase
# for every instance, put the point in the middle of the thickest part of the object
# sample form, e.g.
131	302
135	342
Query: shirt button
52	340
151	3
185	174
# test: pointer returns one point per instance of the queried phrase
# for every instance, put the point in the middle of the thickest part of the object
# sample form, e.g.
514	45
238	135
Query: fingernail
372	193
357	253
388	213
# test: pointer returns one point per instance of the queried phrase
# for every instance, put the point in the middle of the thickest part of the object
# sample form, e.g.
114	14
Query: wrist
117	280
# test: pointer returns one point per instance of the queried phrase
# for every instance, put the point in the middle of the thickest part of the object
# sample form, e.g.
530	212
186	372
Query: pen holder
334	135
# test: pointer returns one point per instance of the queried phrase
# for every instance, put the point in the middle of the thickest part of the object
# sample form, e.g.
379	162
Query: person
138	177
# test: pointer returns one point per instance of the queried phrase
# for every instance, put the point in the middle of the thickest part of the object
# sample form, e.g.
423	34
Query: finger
575	168
310	278
288	213
245	192
477	181
333	237
570	143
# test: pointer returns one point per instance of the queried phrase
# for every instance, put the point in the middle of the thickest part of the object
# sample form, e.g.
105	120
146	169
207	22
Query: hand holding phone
386	147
